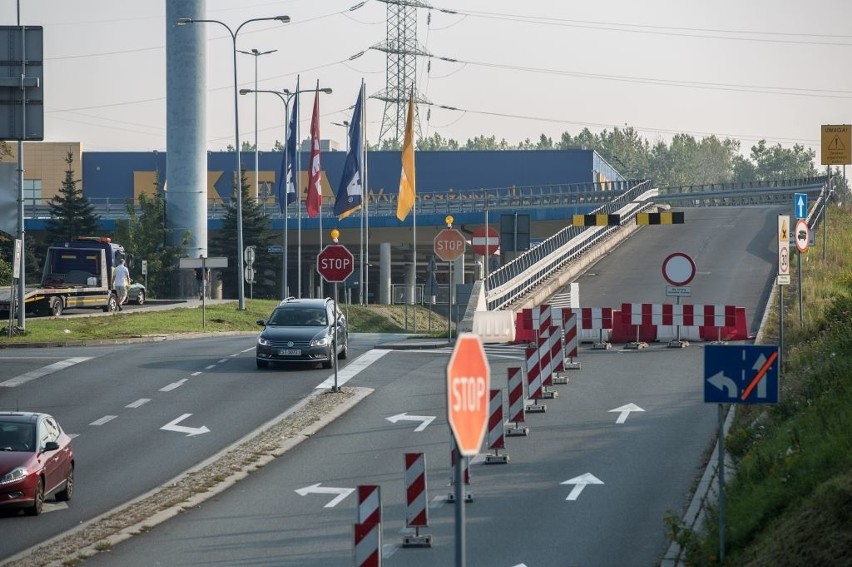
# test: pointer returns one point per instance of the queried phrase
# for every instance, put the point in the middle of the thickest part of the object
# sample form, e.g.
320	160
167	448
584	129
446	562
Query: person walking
120	282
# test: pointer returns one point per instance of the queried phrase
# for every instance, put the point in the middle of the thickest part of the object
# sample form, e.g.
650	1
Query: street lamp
344	124
286	96
256	54
238	171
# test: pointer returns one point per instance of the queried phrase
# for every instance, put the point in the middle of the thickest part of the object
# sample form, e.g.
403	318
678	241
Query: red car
36	461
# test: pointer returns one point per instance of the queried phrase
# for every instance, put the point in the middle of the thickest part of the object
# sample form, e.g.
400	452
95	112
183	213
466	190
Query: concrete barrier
494	326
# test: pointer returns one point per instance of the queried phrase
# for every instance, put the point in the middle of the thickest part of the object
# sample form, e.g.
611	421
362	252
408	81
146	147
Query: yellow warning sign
836	144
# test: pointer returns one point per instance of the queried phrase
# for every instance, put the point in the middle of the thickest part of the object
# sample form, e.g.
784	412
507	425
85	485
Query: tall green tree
257	233
143	234
71	213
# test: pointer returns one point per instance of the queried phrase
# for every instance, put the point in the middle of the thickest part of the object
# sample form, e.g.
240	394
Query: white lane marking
43	371
209	367
172	386
221	360
196	373
246	350
138	403
104	419
354	367
389	549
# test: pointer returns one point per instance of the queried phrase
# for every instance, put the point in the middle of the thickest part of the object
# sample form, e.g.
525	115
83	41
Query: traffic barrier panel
495	438
517	404
550	359
534	385
454	454
369	504
594	325
524	332
494	326
417	502
368	545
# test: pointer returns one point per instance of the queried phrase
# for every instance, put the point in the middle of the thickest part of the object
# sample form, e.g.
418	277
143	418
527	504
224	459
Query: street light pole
285	96
238	170
344	124
256	54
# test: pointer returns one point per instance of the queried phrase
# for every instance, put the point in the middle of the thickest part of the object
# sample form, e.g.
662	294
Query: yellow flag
405	200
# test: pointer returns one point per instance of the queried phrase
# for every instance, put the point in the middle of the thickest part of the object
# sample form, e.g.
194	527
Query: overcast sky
745	69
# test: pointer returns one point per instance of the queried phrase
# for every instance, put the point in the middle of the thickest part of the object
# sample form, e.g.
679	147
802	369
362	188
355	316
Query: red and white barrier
416	499
368	527
517	405
551	357
594	325
369	504
535	389
368	545
454	454
495	437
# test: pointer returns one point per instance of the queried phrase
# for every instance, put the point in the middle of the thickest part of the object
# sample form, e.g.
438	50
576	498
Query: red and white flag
314	203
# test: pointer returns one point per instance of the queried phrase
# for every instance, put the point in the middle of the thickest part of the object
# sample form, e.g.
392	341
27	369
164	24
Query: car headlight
321	341
14	475
262	341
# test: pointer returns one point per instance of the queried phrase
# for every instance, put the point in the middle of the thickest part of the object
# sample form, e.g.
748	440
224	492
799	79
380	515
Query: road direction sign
449	245
214	262
678	269
802	235
741	374
335	263
800	205
468	382
485	244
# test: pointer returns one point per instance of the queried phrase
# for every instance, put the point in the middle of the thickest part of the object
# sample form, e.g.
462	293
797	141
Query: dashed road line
43	371
103	420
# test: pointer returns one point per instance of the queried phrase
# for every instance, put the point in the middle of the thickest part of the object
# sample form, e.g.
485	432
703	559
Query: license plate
290	352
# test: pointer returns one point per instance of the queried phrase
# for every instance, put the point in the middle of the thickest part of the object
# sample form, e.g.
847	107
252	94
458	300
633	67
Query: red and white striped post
417	502
534	385
517	409
368	526
495	438
368	545
454	454
549	345
571	342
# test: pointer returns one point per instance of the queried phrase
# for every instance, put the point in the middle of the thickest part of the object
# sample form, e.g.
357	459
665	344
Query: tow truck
76	274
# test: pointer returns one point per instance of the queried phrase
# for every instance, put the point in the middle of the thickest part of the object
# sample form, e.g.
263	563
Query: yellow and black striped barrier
596	220
670	217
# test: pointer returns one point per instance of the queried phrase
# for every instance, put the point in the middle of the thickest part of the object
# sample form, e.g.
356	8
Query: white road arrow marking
624	411
580	483
722	382
317	488
190	431
426	419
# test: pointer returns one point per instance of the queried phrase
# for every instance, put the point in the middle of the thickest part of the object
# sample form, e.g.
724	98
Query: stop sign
485	244
449	244
468	382
335	263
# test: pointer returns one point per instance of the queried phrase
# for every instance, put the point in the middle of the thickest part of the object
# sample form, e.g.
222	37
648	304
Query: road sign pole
459	489
450	303
334	348
721	468
801	305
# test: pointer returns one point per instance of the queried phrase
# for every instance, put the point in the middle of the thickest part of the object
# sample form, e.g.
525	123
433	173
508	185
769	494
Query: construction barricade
416	500
517	403
368	527
495	437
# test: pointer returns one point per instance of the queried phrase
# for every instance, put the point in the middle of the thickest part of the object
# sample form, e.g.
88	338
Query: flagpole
298	175
365	197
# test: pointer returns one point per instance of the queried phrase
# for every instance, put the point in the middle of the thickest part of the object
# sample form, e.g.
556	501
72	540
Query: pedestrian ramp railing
514	280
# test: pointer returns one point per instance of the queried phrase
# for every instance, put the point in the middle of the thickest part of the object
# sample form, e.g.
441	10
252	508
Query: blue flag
350	190
287	187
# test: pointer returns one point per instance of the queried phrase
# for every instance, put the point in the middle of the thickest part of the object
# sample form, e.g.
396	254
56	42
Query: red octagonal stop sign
468	382
335	263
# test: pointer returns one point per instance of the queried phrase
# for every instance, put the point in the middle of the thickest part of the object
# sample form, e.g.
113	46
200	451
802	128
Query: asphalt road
522	512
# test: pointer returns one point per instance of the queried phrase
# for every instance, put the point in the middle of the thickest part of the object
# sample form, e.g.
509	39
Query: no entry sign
485	244
468	382
335	263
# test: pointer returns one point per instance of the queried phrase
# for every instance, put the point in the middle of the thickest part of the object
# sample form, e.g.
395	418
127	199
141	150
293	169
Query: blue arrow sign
741	374
800	203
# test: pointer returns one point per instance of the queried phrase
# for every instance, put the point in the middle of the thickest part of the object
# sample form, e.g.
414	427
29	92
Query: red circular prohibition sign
678	268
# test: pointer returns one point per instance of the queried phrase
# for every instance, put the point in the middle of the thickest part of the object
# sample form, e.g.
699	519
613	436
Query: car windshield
17	436
298	317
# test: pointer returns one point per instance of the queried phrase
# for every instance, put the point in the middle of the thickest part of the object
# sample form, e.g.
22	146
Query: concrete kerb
355	395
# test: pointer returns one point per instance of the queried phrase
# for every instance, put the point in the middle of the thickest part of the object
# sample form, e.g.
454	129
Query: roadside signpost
468	385
738	374
449	246
678	271
204	264
335	263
